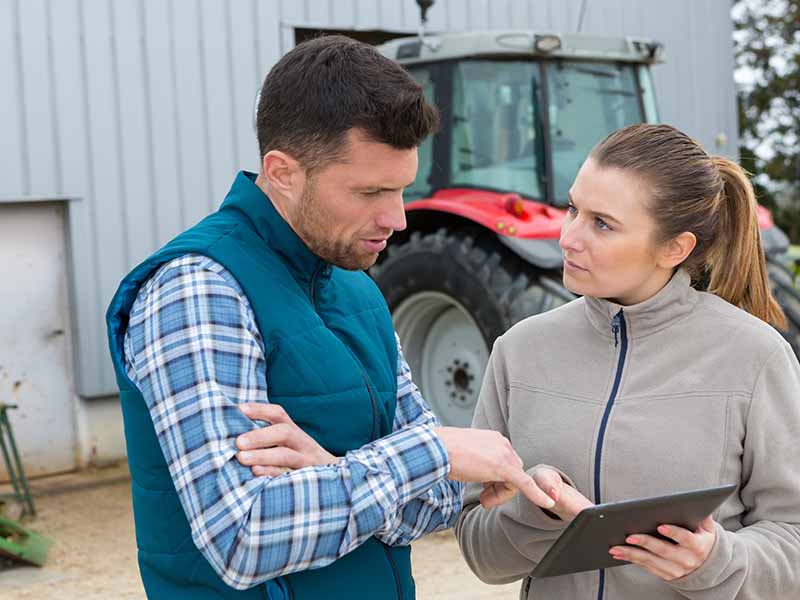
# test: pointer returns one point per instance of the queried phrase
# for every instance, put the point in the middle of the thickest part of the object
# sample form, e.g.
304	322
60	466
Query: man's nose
393	215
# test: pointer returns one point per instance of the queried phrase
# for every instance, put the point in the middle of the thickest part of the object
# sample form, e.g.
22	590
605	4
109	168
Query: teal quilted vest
331	363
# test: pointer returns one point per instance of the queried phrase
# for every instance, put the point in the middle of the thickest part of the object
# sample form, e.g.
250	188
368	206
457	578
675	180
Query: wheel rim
446	352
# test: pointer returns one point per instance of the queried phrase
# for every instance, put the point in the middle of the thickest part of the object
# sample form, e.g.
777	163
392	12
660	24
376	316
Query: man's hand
280	446
663	558
486	456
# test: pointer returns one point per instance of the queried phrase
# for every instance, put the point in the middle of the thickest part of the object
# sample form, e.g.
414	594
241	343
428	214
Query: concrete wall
143	108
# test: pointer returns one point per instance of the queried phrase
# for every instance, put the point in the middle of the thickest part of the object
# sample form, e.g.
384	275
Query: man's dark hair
328	85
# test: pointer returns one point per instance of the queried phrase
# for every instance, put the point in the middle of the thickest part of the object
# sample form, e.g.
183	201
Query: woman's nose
571	236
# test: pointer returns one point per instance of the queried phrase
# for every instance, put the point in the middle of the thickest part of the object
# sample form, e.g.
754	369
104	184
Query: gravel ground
89	518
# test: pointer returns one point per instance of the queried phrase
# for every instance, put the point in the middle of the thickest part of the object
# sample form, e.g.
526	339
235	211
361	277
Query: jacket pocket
663	445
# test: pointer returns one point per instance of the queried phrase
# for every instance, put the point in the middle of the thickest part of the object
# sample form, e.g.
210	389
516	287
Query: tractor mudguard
542	253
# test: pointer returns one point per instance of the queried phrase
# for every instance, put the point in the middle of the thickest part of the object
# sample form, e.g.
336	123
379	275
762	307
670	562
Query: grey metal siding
144	107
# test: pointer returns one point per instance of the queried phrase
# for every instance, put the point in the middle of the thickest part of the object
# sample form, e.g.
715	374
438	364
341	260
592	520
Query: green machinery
17	544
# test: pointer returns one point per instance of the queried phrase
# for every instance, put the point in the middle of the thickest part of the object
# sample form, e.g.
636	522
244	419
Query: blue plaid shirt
193	349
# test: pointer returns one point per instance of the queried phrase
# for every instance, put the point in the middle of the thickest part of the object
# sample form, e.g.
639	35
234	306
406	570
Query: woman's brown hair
709	196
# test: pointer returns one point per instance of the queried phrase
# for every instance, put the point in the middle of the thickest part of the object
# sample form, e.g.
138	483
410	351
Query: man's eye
572	210
371	193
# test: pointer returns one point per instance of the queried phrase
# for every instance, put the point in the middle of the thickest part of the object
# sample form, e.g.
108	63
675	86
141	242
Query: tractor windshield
586	102
496	141
524	126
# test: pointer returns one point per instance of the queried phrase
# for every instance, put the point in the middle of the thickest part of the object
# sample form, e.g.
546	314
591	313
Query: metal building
142	110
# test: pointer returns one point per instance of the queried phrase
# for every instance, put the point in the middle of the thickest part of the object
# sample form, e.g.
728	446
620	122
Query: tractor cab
520	111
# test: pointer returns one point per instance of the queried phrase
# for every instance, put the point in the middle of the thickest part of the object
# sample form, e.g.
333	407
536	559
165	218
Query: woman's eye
572	210
601	224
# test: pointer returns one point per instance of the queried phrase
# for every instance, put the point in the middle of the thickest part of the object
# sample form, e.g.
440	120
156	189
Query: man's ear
677	250
283	172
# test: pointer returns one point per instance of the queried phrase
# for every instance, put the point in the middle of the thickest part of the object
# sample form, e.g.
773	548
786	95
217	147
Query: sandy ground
89	518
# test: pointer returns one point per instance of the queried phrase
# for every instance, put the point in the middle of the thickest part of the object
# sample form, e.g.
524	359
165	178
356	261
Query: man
278	447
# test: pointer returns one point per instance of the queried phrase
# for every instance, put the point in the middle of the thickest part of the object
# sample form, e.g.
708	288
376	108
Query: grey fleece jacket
707	395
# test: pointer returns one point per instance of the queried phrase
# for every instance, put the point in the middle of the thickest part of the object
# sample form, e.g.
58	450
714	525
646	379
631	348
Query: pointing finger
525	484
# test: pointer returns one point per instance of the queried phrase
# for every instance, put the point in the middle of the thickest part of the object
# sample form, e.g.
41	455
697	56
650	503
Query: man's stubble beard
312	229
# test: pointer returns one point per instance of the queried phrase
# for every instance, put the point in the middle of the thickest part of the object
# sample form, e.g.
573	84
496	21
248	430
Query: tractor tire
451	295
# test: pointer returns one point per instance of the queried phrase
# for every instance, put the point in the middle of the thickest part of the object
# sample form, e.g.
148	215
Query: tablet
584	544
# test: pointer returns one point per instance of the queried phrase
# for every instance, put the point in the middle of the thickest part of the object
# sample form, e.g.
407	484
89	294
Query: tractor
520	111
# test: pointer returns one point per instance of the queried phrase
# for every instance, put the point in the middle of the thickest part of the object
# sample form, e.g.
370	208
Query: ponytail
735	262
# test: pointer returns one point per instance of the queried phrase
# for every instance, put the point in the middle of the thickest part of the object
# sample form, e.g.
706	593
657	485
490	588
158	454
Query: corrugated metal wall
143	107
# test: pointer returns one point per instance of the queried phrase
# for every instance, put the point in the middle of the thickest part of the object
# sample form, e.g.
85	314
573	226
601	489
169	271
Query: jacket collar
247	198
673	302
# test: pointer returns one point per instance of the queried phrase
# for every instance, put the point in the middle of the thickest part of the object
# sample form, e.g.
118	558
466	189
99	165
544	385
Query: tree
767	43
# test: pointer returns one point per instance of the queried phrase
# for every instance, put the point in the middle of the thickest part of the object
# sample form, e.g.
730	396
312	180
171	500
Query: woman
646	386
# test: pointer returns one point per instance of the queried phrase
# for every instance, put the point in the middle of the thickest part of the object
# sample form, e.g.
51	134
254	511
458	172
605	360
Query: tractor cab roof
580	46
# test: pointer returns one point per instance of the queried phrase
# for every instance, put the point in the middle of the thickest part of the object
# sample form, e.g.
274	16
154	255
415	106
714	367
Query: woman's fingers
549	480
569	501
573	501
660	567
666	550
679	535
708	525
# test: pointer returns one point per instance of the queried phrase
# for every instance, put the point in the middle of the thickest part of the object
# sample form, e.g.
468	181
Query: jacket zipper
618	328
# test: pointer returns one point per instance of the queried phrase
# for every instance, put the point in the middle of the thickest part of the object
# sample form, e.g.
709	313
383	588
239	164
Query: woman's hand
568	501
667	560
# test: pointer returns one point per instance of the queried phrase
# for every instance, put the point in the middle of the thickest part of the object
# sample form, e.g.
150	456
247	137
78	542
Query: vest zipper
618	328
312	296
374	429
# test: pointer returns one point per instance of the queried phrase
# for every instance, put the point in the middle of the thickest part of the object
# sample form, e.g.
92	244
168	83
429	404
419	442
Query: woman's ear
677	250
